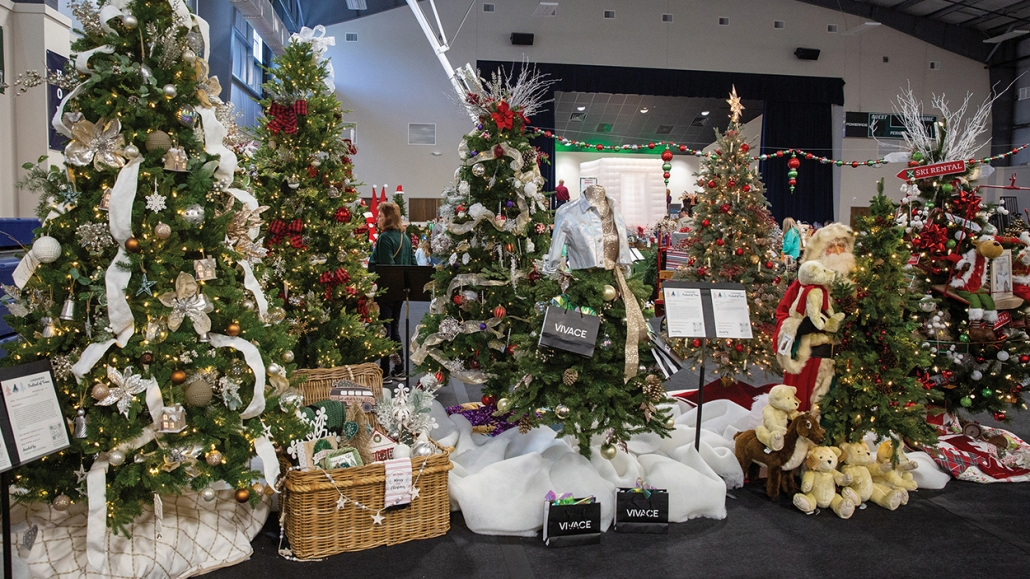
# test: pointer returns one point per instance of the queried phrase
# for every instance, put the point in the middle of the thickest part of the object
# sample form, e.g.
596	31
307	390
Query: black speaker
522	39
807	53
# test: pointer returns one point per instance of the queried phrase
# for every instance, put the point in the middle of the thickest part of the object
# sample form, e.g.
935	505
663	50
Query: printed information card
31	423
732	317
685	312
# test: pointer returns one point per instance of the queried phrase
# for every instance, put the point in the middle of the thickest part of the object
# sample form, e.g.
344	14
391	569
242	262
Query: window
247	59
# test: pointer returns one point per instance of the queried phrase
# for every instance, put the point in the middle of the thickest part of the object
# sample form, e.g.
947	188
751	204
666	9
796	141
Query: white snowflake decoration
156	202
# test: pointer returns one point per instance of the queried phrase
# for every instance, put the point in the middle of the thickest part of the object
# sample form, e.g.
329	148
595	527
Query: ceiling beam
957	39
906	4
955	7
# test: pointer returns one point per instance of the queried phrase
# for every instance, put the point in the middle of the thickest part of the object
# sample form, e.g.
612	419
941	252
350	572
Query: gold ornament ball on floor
242	495
62	503
178	377
609	293
233	329
100	392
503	405
213	458
608	451
562	411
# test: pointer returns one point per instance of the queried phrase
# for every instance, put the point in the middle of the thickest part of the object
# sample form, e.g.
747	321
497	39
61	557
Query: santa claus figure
805	349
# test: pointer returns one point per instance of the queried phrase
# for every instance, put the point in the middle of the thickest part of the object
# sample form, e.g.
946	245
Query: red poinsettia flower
503	116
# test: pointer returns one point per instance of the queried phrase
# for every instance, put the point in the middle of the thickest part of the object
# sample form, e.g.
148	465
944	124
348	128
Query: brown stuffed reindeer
803	433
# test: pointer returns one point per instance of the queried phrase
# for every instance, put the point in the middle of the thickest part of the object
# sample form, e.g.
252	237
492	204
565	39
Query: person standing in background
422	253
791	241
392	248
561	194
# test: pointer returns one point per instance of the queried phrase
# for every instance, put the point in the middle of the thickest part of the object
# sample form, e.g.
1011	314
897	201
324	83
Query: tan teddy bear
895	476
860	464
782	408
820	481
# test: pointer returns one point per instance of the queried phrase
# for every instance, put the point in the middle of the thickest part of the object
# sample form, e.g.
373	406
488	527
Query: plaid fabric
284	118
958	453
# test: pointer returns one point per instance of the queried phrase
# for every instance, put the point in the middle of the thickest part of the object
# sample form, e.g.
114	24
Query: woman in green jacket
392	247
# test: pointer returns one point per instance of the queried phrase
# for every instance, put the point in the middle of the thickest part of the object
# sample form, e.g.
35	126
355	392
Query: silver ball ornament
503	405
131	151
288	356
976	375
116	458
423	448
170	91
208	494
146	74
187	116
46	249
670	423
1003	355
189	56
129	21
163	230
194	214
213	458
562	411
478	170
274	369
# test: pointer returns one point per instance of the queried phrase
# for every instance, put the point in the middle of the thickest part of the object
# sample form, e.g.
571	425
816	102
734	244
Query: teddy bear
782	408
862	466
804	325
819	484
896	476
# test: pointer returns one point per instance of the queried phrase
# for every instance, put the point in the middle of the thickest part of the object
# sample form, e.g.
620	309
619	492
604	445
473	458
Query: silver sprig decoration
955	136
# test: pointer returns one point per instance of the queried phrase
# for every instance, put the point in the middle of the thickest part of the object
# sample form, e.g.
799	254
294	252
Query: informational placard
732	317
882	125
707	310
31	422
685	312
585	182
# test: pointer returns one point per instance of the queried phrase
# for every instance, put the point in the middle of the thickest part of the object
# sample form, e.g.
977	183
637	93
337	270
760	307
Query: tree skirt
193	537
977	460
499	482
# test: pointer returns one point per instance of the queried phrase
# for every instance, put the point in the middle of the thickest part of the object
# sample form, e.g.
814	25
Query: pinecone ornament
888	359
525	425
570	376
653	388
848	304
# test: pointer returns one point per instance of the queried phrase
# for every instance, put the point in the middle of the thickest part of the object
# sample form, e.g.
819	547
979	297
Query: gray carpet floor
965	529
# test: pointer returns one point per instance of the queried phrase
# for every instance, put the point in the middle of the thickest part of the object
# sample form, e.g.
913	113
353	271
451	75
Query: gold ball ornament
233	329
178	377
62	503
213	458
242	495
288	356
158	141
198	393
269	490
163	230
562	411
670	423
258	488
208	494
755	259
609	293
608	451
100	391
503	405
570	376
132	245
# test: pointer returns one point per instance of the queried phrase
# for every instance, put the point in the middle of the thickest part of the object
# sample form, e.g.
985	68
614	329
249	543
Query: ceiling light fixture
581	109
644	110
704	113
1006	36
867	25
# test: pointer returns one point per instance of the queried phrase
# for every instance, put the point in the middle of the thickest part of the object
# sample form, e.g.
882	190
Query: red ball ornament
739	251
855	164
1024	358
474	364
725	208
809	155
731	183
745	147
718	152
439	376
696	343
779	153
459	299
683	148
794	163
746	188
547	134
720	242
666	155
776	280
712	184
909	404
739	347
499	312
792	182
999	416
666	175
600	147
650	145
498	151
488	400
893	403
705	223
511	349
702	271
769	265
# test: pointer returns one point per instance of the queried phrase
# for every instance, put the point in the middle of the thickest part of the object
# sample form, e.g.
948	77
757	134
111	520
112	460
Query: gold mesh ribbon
636	327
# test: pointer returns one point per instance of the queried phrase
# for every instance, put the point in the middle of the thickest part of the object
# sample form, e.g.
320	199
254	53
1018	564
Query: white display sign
732	317
33	414
684	312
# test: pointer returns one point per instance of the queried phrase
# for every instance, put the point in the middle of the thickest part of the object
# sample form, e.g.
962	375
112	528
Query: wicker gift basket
310	516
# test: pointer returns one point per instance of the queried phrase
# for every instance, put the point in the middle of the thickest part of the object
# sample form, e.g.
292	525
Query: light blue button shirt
577	227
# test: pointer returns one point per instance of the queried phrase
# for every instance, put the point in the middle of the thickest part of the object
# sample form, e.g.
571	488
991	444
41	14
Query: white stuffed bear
782	408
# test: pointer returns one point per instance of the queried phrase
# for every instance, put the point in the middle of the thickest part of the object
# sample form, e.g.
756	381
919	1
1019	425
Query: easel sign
31	427
706	311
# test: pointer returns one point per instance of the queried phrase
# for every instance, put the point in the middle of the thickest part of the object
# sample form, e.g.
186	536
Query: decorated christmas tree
735	239
878	357
494	225
138	284
980	362
315	240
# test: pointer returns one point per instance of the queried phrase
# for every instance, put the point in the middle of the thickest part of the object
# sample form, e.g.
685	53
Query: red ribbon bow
284	118
331	279
280	231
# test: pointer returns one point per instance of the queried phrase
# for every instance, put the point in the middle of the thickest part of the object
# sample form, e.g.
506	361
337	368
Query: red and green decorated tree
735	239
316	237
137	284
879	356
980	356
494	225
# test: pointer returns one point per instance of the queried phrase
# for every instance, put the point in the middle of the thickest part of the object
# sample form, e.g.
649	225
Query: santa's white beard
842	263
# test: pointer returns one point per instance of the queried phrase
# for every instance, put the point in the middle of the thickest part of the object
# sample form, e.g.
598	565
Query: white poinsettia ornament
101	144
126	385
187	301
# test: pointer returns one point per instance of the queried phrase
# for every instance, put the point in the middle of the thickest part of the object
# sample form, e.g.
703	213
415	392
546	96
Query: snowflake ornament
156	202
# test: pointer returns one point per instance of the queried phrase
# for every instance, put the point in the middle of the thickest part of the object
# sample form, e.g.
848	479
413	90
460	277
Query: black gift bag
568	525
636	512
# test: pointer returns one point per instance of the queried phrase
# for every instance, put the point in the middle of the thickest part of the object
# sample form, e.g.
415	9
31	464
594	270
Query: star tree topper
735	107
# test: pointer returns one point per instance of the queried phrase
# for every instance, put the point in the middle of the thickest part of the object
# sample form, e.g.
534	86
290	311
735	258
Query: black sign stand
407	283
710	332
5	512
